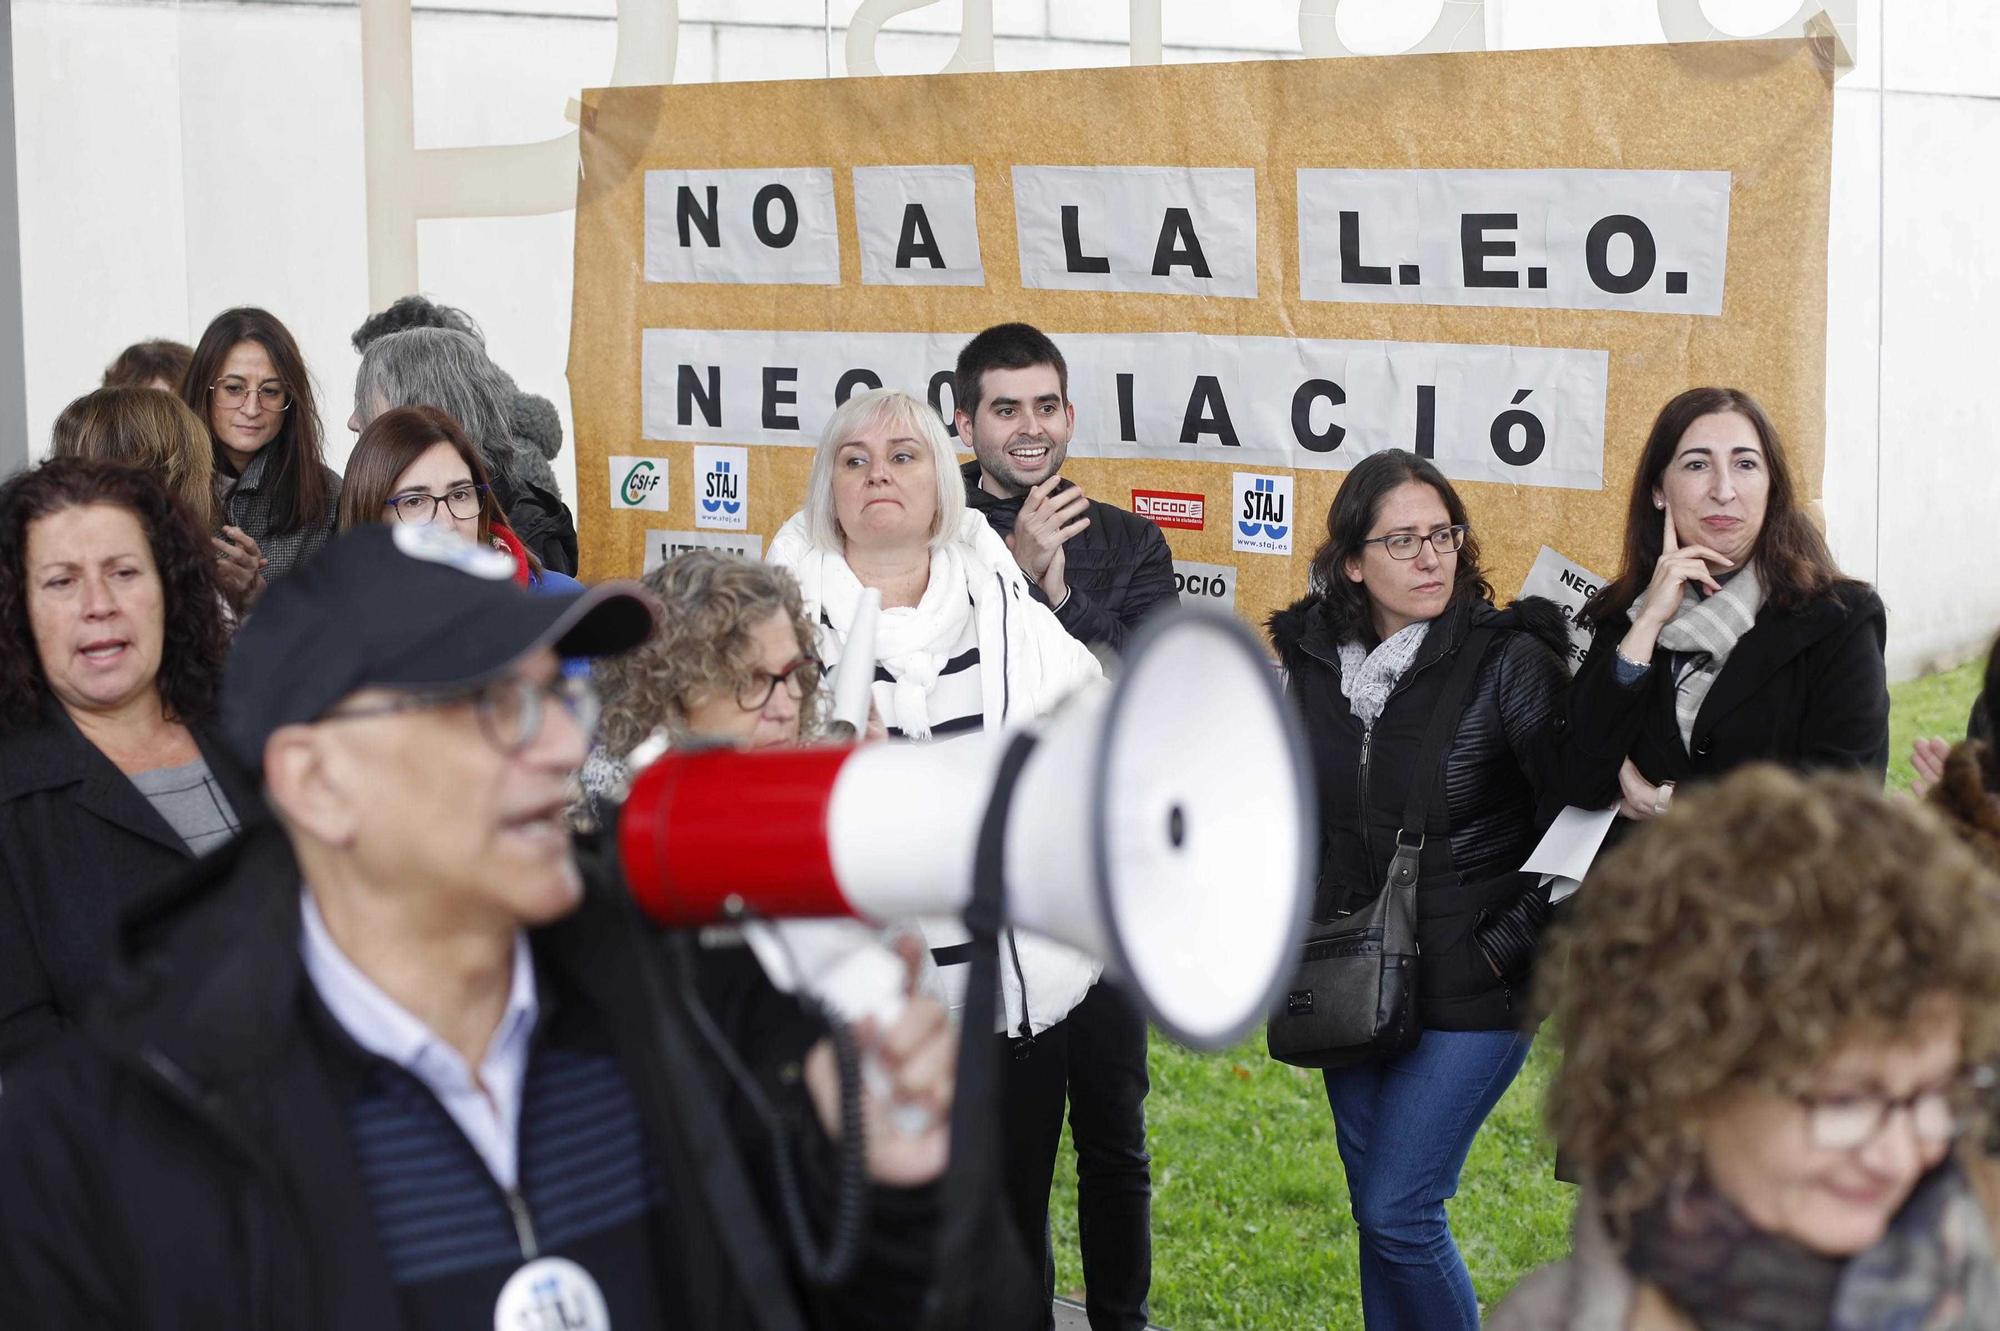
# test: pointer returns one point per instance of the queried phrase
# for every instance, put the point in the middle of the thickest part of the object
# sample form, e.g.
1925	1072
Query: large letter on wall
974	52
1687	21
1460	26
406	183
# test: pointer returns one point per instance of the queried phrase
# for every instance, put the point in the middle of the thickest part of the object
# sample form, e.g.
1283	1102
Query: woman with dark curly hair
111	777
1779	1016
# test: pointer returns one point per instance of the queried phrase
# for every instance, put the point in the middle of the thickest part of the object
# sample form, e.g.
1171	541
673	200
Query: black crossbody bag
1355	994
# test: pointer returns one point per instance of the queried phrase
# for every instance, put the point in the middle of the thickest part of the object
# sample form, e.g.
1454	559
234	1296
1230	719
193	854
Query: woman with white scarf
962	645
1729	635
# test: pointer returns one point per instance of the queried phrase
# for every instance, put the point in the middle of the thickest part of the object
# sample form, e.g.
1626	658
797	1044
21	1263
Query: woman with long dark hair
1398	594
249	384
1729	635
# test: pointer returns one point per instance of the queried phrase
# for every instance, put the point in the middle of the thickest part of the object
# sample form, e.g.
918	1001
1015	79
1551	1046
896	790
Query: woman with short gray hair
450	370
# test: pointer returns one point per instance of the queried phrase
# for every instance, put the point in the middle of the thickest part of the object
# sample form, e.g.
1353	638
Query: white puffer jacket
1028	664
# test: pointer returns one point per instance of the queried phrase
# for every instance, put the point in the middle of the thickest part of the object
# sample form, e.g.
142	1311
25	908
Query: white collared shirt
487	1105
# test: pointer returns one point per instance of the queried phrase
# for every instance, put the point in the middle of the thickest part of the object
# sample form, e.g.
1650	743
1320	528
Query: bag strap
1444	724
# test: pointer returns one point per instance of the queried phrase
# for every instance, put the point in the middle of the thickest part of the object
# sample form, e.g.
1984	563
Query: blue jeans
1405	1126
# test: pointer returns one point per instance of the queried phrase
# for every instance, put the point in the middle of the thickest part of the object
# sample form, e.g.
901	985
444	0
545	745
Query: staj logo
639	483
1170	508
1263	522
722	488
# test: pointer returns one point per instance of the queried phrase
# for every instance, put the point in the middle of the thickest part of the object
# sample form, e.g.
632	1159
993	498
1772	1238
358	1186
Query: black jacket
1478	919
78	845
1118	569
542	521
1803	687
188	1164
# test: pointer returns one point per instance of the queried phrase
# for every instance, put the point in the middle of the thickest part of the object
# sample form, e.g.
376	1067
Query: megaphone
1164	824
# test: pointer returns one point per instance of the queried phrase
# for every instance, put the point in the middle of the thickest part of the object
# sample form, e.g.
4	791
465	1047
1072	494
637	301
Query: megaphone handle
869	983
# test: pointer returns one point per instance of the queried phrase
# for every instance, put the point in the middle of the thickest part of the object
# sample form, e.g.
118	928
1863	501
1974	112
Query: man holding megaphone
391	1061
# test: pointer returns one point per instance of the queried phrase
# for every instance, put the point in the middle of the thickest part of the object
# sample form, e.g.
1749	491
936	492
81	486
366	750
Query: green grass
1250	1220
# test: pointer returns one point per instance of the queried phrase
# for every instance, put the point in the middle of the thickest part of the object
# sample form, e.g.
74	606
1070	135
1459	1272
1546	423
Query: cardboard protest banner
1259	273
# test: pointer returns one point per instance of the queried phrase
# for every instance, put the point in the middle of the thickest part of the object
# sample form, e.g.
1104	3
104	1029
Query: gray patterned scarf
1368	678
1706	629
1934	1270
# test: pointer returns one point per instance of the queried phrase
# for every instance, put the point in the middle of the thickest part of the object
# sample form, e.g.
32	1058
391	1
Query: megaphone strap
974	1235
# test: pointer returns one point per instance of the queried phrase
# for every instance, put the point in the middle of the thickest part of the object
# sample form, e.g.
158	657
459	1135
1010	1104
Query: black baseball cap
400	606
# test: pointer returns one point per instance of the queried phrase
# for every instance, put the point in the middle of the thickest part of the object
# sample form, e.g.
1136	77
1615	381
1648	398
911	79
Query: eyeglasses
462	502
231	392
1845	1122
510	710
798	678
1404	544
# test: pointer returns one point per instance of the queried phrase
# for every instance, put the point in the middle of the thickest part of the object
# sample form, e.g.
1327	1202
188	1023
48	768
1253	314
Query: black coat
1804	687
1118	569
1477	918
78	845
188	1164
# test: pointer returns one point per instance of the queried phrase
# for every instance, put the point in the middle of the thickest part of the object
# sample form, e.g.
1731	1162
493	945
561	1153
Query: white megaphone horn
1163	824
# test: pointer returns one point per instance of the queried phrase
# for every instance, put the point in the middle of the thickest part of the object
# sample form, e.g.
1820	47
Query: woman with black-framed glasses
416	465
1780	1014
1398	596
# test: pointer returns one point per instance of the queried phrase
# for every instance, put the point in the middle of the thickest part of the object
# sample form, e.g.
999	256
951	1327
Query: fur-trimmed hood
1302	627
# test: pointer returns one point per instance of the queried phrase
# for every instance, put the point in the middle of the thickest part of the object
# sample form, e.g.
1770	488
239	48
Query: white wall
177	158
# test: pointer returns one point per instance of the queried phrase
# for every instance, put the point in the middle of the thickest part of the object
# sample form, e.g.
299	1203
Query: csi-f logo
639	483
722	498
1263	514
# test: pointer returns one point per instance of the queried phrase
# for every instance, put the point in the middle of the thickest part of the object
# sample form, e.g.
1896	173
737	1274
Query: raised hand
1677	566
1047	520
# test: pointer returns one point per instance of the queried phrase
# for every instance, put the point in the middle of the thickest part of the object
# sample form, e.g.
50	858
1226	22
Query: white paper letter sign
1183	230
919	226
1655	241
772	225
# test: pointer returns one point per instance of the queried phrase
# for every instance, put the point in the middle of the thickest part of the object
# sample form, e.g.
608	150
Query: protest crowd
321	1004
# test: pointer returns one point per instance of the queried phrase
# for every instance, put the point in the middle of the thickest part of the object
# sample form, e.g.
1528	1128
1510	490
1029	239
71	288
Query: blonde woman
155	431
962	646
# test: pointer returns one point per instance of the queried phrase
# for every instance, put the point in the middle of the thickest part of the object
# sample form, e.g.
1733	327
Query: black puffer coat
1118	569
1478	921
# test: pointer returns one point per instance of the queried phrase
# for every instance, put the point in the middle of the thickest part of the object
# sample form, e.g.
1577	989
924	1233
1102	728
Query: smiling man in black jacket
1102	570
398	1059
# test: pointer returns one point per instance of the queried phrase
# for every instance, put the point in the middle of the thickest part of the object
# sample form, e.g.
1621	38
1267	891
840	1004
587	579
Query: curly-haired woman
111	780
1781	1004
730	663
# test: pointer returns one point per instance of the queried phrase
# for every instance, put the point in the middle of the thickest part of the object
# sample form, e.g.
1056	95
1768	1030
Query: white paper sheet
1567	849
